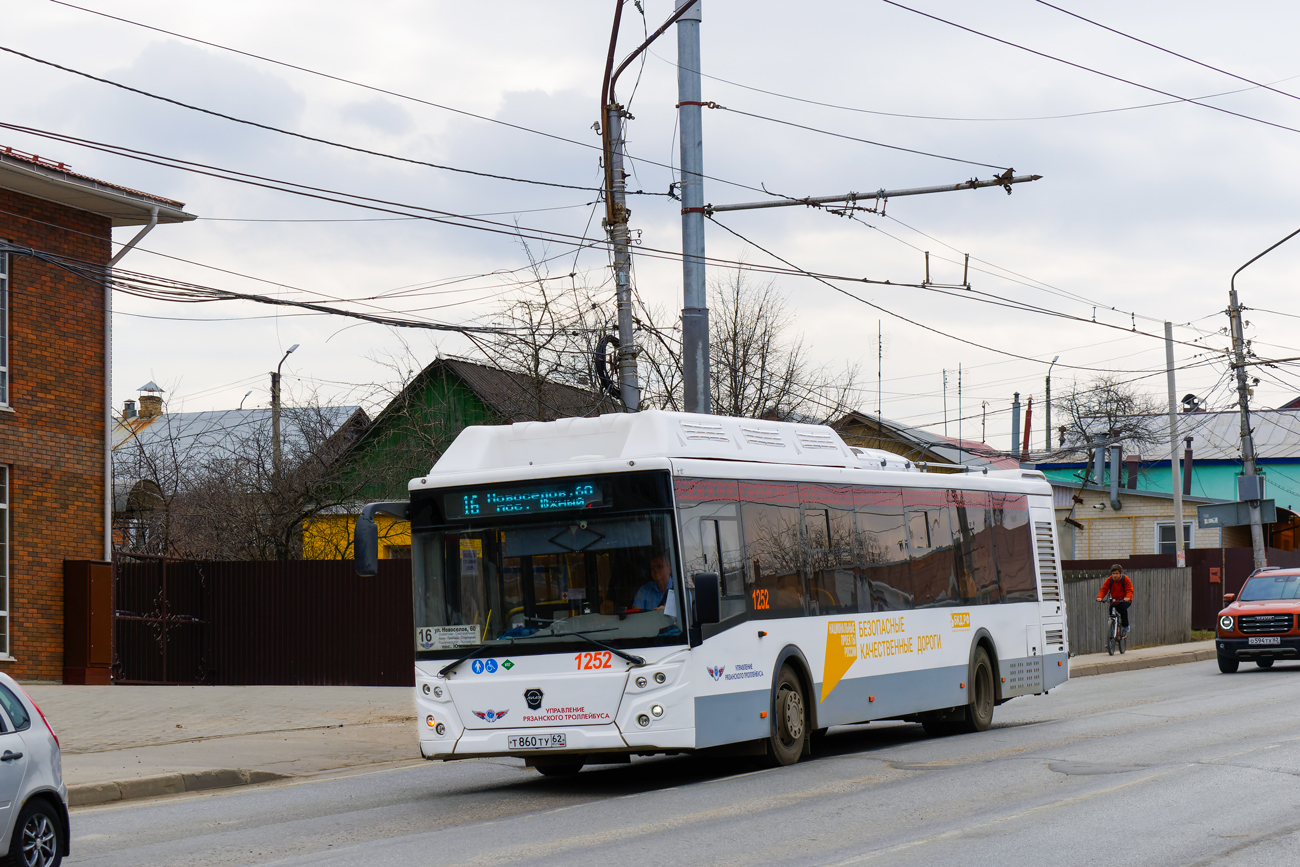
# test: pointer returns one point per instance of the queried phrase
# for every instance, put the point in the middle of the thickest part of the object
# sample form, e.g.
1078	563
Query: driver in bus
658	591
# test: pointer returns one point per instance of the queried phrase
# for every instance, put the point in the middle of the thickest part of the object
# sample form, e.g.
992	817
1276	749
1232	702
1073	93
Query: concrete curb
89	794
1133	663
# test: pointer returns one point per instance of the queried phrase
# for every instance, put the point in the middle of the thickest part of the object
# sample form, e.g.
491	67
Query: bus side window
930	545
884	572
773	550
1015	547
976	559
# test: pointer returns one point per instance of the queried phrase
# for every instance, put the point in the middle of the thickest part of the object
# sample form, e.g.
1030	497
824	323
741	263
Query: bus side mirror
708	597
365	546
365	538
1228	597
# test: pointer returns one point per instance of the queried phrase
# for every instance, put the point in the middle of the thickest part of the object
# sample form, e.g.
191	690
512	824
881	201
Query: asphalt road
1166	766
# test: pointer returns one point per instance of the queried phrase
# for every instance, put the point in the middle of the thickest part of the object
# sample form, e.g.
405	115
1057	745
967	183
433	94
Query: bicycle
1115	634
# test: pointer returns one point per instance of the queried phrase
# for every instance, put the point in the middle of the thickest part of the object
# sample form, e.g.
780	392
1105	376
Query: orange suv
1259	624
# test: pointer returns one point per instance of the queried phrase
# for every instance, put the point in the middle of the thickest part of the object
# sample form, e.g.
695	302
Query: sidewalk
122	742
1142	657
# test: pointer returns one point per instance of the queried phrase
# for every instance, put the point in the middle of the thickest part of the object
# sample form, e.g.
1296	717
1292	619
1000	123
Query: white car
33	797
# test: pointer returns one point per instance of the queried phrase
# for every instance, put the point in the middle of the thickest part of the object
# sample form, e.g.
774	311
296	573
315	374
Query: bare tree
758	366
551	326
1110	409
211	492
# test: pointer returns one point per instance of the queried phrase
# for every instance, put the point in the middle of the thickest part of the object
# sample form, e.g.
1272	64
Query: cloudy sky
1147	205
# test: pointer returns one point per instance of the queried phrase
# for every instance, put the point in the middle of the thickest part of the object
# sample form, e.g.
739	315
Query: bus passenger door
720	539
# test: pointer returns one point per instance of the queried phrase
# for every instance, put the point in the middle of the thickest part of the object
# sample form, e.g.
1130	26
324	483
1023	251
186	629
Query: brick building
55	334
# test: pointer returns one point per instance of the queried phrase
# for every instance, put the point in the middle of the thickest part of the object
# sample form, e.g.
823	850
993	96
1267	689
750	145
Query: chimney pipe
1116	455
1029	414
1187	468
1015	426
128	410
151	406
1131	474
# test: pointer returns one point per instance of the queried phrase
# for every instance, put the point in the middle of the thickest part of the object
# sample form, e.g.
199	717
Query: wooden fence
1161	612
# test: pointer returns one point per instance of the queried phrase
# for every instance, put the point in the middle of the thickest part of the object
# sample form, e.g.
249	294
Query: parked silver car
33	797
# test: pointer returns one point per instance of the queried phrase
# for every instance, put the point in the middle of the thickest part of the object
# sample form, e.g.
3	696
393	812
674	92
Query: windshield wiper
586	636
446	669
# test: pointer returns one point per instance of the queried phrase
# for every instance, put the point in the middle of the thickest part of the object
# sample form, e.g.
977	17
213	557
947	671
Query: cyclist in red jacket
1120	589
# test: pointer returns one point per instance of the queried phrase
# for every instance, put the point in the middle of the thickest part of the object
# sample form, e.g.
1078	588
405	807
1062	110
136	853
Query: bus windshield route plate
548	741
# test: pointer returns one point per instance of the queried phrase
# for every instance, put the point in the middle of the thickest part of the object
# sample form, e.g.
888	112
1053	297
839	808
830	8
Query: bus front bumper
522	742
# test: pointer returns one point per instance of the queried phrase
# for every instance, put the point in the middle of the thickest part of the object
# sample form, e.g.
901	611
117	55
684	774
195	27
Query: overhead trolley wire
396	94
1090	69
1250	81
305	136
946	118
889	312
854	138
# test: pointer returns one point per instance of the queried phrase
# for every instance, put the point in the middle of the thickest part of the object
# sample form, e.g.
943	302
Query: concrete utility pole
616	219
1251	491
275	414
1247	440
1047	407
1174	470
1015	426
616	212
695	303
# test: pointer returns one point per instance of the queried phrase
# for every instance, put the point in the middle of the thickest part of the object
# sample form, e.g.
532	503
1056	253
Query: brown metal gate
313	622
160	623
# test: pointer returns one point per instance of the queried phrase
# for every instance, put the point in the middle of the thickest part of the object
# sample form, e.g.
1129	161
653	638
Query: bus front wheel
790	719
557	768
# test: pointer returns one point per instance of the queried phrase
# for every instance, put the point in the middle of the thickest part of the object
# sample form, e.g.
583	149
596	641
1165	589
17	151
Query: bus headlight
660	677
440	729
642	720
1225	623
427	689
656	710
641	683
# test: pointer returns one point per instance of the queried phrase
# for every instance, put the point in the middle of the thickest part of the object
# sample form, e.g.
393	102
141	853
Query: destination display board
536	499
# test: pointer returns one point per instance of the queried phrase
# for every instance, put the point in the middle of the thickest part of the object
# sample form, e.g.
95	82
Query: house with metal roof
939	453
161	458
420	423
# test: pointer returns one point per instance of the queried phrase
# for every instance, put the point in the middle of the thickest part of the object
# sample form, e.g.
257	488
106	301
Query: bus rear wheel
979	711
789	719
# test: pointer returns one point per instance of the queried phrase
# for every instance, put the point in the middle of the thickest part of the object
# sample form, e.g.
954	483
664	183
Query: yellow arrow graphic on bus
841	652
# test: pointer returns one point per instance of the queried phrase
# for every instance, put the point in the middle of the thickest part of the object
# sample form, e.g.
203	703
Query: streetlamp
1049	402
1253	494
275	413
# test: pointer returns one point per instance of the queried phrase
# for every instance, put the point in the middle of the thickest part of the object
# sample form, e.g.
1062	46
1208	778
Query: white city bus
590	589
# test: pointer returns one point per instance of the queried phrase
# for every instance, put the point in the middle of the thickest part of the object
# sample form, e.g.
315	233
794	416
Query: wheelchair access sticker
481	665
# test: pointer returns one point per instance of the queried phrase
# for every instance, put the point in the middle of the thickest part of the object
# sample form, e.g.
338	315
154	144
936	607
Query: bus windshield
524	583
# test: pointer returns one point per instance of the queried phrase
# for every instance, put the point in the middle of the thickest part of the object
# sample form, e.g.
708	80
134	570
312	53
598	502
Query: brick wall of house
1111	535
54	438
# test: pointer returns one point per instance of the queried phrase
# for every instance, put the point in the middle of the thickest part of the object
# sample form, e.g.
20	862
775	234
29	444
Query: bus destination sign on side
530	500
